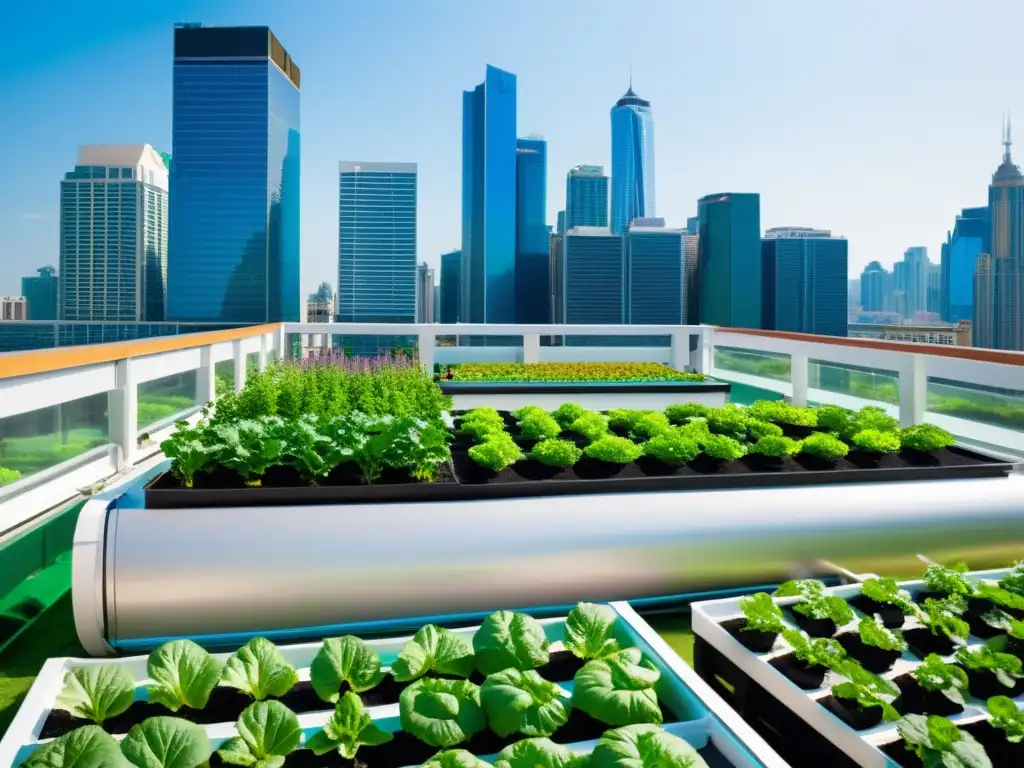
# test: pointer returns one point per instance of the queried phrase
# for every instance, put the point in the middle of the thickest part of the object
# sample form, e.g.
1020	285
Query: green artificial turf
675	630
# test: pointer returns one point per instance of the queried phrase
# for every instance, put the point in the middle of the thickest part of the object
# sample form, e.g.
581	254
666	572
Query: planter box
594	396
723	739
807	727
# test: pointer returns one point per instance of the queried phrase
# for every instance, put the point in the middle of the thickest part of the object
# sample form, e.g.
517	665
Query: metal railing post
913	389
679	356
426	348
280	342
702	358
262	364
799	370
206	377
236	348
123	407
531	347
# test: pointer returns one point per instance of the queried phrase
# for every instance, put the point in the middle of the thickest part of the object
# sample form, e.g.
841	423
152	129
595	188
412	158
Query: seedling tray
800	718
688	715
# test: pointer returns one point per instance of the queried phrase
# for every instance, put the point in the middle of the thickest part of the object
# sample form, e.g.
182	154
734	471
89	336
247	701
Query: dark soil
857	717
984	685
754	641
916	700
871	658
814	627
798	673
898	753
975	618
346	474
922	642
891	616
1000	751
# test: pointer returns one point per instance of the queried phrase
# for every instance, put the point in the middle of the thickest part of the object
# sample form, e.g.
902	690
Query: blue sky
876	119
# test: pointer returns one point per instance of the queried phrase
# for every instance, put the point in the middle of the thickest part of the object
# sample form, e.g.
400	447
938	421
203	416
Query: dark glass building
632	182
533	291
730	260
804	280
560	223
586	197
489	200
875	283
654	276
451	267
592	277
41	294
234	221
964	244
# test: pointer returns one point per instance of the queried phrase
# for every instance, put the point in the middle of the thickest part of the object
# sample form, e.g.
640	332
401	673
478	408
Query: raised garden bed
307	679
848	700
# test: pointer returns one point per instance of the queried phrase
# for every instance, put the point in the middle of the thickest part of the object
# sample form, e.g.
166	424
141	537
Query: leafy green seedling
936	676
259	669
524	702
592	426
643	746
344	660
761	613
826	607
86	747
888	592
1007	717
441	712
673	447
618	689
1006	667
942	617
167	742
96	692
184	675
567	413
433	649
1014	580
681	413
757	429
267	733
188	451
535	753
349	728
808	589
775	447
538	425
722	448
938	742
497	452
875	635
866	689
614	450
1000	596
925	438
820	652
649	425
824	446
556	453
506	639
590	631
948	581
875	441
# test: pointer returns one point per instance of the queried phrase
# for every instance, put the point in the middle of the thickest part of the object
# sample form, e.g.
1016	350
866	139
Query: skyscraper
592	277
804	281
916	280
41	294
113	235
632	160
532	292
961	250
586	197
451	291
730	259
424	294
691	276
983	323
376	242
653	290
234	227
874	287
489	199
560	223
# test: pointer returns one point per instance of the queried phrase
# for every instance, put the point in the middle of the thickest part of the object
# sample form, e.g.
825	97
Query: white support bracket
531	347
798	376
913	389
262	364
239	358
426	348
679	355
123	407
206	377
702	358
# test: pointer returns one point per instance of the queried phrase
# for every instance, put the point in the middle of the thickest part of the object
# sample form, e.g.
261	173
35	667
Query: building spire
1007	141
631	73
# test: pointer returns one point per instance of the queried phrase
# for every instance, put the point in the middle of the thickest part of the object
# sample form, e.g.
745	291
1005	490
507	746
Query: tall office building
437	304
730	259
693	225
556	272
234	227
13	308
451	290
532	291
41	294
960	254
424	294
586	197
489	199
653	276
560	223
691	277
804	281
874	287
933	289
983	323
852	296
113	235
632	160
915	282
592	277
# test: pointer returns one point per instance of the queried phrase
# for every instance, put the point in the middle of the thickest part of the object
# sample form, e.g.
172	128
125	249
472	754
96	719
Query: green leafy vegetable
681	413
183	674
673	446
592	426
874	634
556	453
942	617
1007	717
349	728
96	692
188	452
618	689
614	450
590	631
524	702
784	413
497	452
722	448
826	607
940	744
1014	580
809	589
520	413
535	753
837	419
167	742
874	441
761	612
1000	596
433	649
259	669
887	591
538	425
820	652
344	660
866	689
948	581
935	675
1005	667
728	420
926	437
419	446
567	413
507	639
643	746
267	733
245	447
456	758
776	447
825	446
756	429
875	418
86	747
441	712
650	425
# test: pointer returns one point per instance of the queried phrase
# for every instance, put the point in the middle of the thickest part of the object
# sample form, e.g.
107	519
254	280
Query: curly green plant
520	413
784	413
866	689
729	420
538	425
497	452
556	453
567	413
614	450
874	417
876	441
673	447
824	446
618	418
8	476
649	425
775	447
926	438
591	425
681	413
836	419
722	448
756	429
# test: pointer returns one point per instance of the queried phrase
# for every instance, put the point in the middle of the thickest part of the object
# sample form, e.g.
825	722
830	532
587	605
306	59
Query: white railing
65	375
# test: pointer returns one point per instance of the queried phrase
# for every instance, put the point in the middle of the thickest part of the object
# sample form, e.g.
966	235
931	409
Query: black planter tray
451	387
764	688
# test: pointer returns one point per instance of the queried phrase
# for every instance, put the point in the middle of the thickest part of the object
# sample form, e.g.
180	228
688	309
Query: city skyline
703	145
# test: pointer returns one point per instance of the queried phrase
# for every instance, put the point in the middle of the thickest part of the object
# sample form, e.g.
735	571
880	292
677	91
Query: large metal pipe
153	573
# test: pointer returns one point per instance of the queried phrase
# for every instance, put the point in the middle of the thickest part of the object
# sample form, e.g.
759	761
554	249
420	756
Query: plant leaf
183	675
618	690
96	692
349	727
507	639
267	733
440	712
456	758
86	747
524	702
643	746
344	660
433	649
536	753
590	631
167	742
259	669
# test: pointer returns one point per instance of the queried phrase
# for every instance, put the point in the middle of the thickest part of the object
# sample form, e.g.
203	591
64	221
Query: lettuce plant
590	631
344	660
618	689
876	441
520	413
311	452
828	607
441	712
938	742
433	649
643	746
756	429
1007	717
1014	580
259	669
808	589
837	419
875	418
556	453
349	728
819	652
875	635
681	413
865	689
762	613
245	447
936	676
591	425
456	758
167	742
614	450
419	446
539	425
783	413
1006	667
618	418
887	591
942	617
506	639
96	692
534	753
188	451
825	446
926	438
729	420
673	446
485	413
524	702
948	580
723	448
1001	597
184	675
497	452
567	413
775	447
650	425
267	733
482	429
86	747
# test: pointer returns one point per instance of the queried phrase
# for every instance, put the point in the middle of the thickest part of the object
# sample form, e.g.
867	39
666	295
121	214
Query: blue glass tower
592	277
489	200
729	265
632	161
960	255
875	281
234	222
41	294
560	223
804	282
533	294
654	276
451	267
586	197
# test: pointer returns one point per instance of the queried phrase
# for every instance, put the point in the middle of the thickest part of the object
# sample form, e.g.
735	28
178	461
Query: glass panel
34	441
766	364
1003	408
224	373
864	383
161	399
252	363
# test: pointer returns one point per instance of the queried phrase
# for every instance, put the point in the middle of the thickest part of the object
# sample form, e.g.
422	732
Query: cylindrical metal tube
217	571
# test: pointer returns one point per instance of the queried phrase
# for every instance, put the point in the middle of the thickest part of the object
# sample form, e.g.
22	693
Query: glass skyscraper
804	281
532	290
729	266
41	294
113	235
654	276
959	255
586	197
874	287
234	228
451	291
632	161
592	277
489	200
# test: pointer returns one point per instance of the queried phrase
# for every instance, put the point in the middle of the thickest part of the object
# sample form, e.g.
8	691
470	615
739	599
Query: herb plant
591	425
875	635
1007	717
819	652
310	447
538	425
482	427
775	447
828	607
524	702
96	692
618	418
521	413
167	742
875	441
259	669
1001	597
722	448
866	689
875	418
86	747
614	450
245	447
188	451
349	728
729	420
643	746
1014	580
456	758
935	675
433	649
761	613
887	592
506	639
948	581
344	660
1005	666
942	617
650	425
590	631
784	413
938	742
535	753
809	589
497	452
267	733
618	689
757	429
825	446
837	420
441	712
673	446
556	453
926	438
184	675
683	412
567	413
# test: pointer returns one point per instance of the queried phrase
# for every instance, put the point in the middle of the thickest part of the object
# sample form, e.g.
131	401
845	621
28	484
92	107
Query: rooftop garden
566	372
